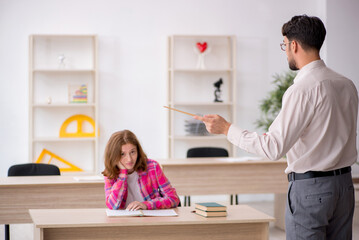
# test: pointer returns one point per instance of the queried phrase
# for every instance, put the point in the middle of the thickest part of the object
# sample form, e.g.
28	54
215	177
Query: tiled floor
25	231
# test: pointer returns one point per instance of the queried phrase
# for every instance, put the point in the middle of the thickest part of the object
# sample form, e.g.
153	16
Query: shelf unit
191	89
55	62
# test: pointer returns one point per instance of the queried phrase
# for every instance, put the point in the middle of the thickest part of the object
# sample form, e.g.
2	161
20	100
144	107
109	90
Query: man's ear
294	46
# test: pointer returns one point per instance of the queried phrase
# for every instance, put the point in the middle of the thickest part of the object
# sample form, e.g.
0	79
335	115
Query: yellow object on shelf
70	168
80	119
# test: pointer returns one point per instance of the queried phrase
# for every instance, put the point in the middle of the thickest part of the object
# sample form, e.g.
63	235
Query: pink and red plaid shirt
155	188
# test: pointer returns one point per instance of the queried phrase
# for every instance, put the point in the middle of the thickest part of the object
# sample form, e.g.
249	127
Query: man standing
316	128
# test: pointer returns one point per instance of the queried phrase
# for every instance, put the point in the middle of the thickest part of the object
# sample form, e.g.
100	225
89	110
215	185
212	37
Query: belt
313	174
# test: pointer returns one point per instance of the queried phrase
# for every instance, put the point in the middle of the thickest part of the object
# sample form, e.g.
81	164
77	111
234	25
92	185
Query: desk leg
232	197
38	233
280	201
7	232
187	201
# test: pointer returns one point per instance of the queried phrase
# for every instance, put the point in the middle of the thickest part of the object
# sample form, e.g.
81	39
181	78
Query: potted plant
272	104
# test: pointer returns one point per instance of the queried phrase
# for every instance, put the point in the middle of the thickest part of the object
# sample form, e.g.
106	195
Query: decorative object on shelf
46	154
49	100
80	119
195	128
217	92
61	59
200	50
77	93
202	46
272	104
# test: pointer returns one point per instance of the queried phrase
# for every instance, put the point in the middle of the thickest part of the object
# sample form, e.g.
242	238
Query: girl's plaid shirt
155	188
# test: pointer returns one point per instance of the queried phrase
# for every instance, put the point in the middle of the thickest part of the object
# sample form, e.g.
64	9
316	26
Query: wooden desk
242	222
189	177
19	194
205	176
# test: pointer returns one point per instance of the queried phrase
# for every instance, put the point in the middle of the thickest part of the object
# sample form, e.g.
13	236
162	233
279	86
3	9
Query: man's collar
307	68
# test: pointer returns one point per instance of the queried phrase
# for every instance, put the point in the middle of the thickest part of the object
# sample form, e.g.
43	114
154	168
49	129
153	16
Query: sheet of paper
160	213
122	213
89	178
148	213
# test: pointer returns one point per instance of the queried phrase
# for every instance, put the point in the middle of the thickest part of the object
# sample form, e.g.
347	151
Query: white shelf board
201	36
55	105
214	137
195	104
201	70
58	139
63	70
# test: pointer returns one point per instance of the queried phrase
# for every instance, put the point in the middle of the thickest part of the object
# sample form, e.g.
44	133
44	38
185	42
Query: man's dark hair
309	32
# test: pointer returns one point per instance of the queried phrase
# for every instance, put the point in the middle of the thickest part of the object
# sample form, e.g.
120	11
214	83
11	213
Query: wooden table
195	176
242	222
19	194
205	176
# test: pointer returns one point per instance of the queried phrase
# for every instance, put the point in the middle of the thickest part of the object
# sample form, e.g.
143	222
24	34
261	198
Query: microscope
217	92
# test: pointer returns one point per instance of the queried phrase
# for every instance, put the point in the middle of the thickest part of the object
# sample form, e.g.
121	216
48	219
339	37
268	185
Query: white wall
132	57
343	32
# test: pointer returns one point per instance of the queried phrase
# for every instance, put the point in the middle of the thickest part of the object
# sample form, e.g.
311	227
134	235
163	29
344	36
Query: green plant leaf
272	104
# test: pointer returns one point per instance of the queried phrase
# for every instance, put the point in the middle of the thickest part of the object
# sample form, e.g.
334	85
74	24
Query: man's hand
215	123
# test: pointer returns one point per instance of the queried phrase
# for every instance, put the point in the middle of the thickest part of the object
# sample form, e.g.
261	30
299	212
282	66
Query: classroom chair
30	169
207	152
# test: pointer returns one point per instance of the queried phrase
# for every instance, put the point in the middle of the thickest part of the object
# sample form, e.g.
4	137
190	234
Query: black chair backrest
207	152
33	169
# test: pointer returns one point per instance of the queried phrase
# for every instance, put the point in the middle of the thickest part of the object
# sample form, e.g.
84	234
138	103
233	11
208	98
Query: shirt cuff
234	134
149	205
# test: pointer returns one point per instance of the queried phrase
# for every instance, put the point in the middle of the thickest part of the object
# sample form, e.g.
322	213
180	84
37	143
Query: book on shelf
77	93
211	213
211	206
141	213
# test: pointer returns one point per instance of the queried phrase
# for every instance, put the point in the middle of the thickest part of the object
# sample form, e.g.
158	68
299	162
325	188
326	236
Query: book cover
211	214
77	93
210	206
141	213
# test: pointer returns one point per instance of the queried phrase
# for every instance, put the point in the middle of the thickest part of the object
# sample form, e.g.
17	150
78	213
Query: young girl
133	181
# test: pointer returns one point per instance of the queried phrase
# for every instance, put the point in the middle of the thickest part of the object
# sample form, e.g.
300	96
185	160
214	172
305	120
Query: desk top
66	179
218	161
59	218
44	180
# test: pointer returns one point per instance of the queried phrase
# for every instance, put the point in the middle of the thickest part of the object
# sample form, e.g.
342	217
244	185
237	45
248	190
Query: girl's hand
136	206
120	166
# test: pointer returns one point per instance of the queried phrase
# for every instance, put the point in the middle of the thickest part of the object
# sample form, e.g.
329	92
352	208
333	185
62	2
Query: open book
141	213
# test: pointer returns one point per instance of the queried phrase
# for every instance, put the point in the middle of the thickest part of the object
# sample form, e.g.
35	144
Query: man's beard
293	65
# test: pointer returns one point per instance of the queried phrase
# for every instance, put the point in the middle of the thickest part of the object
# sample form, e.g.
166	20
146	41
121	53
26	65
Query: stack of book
211	209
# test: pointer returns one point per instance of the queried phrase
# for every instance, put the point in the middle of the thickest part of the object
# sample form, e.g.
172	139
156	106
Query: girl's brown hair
113	153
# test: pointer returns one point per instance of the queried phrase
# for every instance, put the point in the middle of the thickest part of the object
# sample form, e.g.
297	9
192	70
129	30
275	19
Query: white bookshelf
191	89
55	62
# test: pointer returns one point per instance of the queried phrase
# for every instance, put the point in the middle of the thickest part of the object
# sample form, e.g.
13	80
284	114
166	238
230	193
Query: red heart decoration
202	46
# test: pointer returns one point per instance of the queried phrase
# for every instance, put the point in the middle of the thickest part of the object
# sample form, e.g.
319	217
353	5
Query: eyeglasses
284	45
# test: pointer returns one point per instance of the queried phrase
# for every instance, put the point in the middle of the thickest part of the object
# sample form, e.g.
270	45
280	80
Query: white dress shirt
316	127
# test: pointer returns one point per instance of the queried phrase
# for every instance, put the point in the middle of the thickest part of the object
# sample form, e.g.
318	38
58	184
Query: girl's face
129	156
